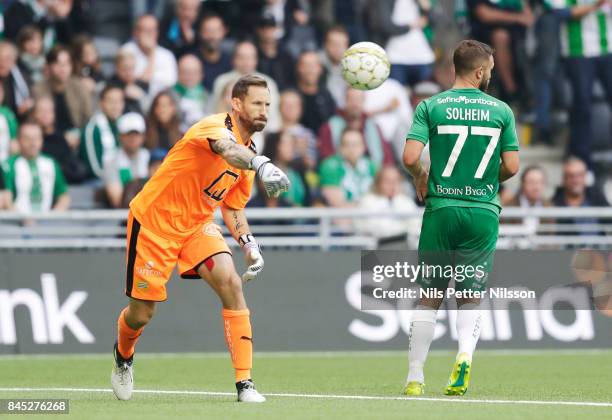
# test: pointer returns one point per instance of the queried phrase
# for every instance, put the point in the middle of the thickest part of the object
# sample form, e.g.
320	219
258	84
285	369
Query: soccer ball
365	65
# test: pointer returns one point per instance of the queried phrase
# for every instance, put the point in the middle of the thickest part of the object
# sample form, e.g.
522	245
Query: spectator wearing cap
353	117
35	181
335	43
273	60
178	31
155	65
316	98
136	185
130	161
192	95
210	48
100	136
245	62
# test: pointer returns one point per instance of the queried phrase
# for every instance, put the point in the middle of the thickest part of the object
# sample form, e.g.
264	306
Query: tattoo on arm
237	155
237	224
236	221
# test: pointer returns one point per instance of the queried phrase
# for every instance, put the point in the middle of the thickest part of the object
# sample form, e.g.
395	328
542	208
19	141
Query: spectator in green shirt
130	161
35	181
347	175
192	96
100	137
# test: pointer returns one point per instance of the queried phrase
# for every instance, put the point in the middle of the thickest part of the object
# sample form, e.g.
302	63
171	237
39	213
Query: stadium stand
286	32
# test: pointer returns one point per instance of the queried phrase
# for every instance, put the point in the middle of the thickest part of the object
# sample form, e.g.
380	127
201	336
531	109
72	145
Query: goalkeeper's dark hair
241	87
469	55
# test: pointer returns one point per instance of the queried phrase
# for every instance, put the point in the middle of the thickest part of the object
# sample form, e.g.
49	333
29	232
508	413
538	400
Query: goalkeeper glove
275	181
253	256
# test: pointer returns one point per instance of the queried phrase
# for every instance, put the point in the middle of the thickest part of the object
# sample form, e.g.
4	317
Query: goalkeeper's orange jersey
192	181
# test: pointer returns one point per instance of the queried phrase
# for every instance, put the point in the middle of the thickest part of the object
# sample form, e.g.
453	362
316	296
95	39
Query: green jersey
35	183
467	130
355	180
99	142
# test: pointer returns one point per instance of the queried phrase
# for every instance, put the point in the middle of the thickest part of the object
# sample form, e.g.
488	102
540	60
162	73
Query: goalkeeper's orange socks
239	339
127	336
236	329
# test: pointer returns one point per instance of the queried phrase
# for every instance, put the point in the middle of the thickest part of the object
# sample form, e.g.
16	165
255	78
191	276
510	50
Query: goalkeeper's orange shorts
151	258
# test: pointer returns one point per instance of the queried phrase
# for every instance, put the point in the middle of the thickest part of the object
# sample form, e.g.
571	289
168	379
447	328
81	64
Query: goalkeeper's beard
252	126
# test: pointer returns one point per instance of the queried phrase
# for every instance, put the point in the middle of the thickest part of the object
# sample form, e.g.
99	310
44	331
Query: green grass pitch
547	376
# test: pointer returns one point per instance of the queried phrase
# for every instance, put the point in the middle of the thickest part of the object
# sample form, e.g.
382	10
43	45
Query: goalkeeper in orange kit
171	223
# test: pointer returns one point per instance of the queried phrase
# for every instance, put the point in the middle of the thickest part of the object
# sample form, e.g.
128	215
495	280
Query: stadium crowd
95	93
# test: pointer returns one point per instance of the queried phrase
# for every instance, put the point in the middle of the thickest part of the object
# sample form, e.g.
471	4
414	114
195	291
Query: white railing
306	228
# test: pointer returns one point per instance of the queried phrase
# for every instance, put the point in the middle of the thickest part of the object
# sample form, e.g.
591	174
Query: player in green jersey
473	147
